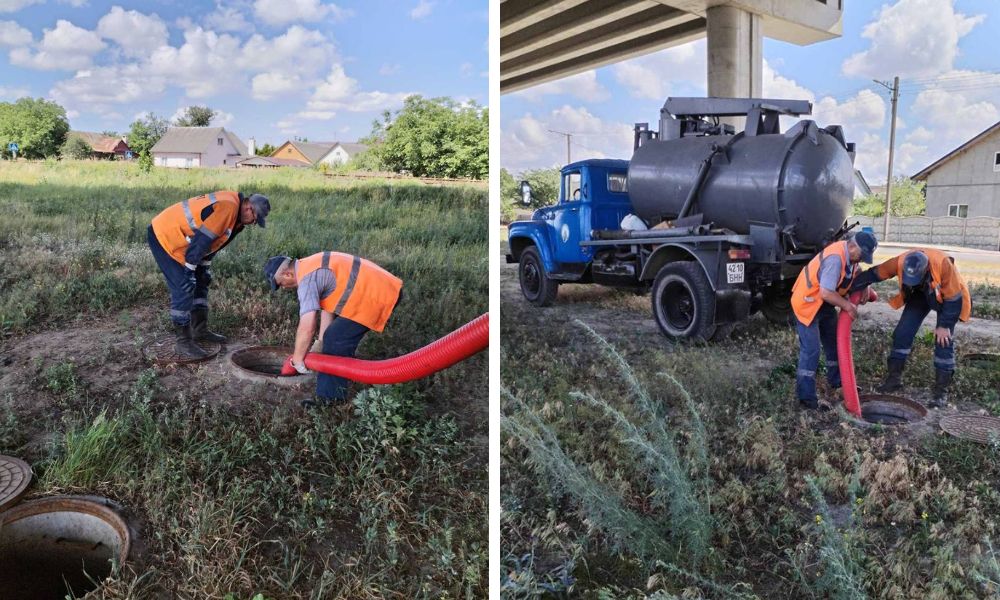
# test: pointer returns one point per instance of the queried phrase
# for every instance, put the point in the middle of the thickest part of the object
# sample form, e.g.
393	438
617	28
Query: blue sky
944	51
273	68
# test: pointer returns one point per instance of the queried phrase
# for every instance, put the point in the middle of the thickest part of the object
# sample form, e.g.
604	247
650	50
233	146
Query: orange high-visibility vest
363	291
176	225
946	283
806	300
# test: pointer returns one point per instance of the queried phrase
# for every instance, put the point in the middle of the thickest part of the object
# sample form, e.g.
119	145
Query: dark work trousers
341	338
915	311
823	330
176	275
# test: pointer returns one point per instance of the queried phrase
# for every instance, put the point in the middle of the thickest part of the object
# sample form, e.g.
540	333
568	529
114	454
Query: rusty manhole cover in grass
982	361
15	476
161	351
890	410
976	428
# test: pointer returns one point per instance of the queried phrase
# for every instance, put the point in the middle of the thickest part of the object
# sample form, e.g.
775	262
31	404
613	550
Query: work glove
300	368
189	282
317	346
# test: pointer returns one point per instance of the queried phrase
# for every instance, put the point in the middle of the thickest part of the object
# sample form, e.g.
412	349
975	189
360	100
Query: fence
976	232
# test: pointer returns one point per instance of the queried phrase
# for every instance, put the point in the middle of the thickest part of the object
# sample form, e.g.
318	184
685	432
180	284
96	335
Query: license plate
734	272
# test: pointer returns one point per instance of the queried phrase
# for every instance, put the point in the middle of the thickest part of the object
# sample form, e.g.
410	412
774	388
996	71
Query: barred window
618	183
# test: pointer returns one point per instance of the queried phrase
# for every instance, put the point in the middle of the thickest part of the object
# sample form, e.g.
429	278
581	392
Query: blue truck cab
697	278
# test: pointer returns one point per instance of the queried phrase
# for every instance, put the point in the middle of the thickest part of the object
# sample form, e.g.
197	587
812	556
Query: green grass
237	491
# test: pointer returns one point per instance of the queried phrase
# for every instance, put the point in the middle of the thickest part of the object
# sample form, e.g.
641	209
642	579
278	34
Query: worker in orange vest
928	280
352	296
184	239
822	286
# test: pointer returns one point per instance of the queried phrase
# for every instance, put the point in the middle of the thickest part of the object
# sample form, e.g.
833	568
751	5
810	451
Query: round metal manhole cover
982	361
161	351
976	428
15	476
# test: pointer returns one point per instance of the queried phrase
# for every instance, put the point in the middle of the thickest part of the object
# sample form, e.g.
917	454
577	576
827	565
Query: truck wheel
535	285
683	301
776	304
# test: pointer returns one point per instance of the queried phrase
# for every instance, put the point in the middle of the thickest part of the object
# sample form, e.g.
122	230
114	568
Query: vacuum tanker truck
715	224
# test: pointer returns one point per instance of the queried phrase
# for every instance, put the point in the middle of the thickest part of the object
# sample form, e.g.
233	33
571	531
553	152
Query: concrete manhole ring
883	409
161	351
15	476
263	363
976	428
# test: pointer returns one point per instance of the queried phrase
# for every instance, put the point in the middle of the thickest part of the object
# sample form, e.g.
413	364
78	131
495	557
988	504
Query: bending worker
184	239
352	296
928	280
821	287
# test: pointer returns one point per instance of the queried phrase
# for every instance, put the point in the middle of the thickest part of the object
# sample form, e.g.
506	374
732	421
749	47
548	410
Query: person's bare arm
304	336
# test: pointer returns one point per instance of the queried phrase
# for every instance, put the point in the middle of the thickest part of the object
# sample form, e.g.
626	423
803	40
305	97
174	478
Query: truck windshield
618	183
571	186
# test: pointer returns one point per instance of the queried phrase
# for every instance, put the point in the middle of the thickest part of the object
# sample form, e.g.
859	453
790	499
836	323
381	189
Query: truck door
566	218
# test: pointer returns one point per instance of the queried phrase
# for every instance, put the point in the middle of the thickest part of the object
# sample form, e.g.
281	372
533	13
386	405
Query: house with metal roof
315	153
103	146
189	147
966	181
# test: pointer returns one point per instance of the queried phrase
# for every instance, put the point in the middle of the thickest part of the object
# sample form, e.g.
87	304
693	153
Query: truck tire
683	302
536	286
776	304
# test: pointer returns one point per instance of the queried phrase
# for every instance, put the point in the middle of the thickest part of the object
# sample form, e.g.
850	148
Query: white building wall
182	160
337	156
218	156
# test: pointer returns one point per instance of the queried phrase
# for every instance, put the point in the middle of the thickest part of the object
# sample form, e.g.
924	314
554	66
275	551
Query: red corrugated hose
845	355
440	354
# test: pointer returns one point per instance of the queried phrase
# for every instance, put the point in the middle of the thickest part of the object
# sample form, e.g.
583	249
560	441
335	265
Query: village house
104	146
316	153
966	181
188	147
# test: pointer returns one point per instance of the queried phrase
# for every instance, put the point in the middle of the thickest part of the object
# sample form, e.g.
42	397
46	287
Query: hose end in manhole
882	409
263	363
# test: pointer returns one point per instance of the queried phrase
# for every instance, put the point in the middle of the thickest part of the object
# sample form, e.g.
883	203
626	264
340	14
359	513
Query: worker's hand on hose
300	367
851	310
864	296
942	336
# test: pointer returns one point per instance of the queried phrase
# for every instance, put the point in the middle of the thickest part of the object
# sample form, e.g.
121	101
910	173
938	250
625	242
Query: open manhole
263	363
977	428
161	351
55	546
982	361
890	410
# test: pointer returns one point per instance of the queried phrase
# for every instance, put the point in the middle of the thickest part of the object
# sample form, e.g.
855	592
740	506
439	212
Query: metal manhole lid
977	428
15	476
161	351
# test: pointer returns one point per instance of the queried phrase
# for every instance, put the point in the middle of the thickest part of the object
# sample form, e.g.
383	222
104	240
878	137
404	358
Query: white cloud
912	38
582	85
386	69
16	5
527	143
283	12
12	34
865	111
466	69
298	51
422	10
136	33
98	88
66	47
205	65
954	117
13	93
229	17
268	86
316	115
774	85
920	134
341	92
75	3
680	70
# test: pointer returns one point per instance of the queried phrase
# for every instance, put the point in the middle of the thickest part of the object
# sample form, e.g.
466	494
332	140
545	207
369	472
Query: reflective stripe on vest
806	290
176	225
351	280
363	291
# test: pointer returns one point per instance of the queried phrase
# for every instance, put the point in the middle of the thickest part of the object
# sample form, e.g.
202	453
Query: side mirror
525	193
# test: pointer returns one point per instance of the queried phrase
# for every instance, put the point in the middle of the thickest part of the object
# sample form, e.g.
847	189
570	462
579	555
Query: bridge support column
735	55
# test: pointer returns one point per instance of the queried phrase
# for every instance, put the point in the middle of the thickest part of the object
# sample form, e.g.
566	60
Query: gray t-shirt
829	272
314	287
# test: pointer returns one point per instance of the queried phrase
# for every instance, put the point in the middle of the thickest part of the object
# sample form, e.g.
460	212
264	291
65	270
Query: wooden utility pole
892	147
568	136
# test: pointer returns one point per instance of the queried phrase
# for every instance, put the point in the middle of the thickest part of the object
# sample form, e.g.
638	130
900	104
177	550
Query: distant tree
544	190
434	137
76	147
145	132
364	161
39	127
908	200
266	150
110	133
196	116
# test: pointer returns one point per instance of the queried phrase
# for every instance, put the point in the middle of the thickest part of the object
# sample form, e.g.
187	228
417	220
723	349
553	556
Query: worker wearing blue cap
822	287
928	280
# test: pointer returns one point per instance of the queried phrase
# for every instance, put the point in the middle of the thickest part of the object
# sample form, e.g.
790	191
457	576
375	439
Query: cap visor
867	257
260	222
911	281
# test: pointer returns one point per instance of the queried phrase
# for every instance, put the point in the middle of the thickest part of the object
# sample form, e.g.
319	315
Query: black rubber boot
894	378
942	379
185	347
199	327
